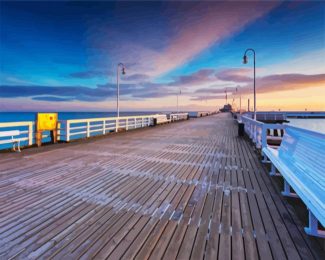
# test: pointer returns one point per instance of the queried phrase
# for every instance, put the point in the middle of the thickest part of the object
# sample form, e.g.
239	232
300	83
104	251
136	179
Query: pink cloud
271	83
289	82
199	77
201	25
235	75
207	23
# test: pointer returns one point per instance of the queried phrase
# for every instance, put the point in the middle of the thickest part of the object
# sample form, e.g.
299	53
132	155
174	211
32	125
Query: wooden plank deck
186	190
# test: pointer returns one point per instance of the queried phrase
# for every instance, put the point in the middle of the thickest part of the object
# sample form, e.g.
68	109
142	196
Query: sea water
31	116
314	124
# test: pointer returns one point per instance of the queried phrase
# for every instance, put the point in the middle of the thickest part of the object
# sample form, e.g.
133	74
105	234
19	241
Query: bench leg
286	192
265	159
313	230
273	171
16	143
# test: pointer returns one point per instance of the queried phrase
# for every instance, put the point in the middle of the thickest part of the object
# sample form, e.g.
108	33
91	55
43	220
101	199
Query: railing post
67	131
88	129
127	124
104	127
59	132
255	135
30	133
116	125
259	137
264	136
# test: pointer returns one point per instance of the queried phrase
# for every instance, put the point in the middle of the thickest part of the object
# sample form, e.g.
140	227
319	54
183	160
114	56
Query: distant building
226	108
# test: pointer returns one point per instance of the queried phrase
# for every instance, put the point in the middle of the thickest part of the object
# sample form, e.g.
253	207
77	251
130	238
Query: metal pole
245	61
177	103
254	89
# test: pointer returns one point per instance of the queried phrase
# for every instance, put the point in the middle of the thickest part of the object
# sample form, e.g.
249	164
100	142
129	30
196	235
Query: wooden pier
192	189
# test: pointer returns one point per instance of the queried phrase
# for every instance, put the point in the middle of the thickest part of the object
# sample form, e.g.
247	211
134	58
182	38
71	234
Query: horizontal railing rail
258	131
26	135
73	129
84	128
267	116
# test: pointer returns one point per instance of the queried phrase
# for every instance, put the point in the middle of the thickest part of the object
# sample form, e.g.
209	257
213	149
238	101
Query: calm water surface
317	124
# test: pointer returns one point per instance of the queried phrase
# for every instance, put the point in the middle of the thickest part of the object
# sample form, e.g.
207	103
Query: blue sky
63	55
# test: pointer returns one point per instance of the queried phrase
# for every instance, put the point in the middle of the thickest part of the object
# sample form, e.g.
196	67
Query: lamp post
120	65
245	61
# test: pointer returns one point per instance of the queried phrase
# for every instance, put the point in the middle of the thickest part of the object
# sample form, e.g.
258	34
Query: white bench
300	159
12	134
161	119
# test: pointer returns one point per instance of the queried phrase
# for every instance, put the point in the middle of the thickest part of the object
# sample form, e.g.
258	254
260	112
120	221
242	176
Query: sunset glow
63	55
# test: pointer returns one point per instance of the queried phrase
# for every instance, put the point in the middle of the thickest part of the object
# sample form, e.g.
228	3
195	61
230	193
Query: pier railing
83	128
26	134
267	116
73	129
258	131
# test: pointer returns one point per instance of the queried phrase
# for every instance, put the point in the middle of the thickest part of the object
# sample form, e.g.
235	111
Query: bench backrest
304	152
9	133
161	119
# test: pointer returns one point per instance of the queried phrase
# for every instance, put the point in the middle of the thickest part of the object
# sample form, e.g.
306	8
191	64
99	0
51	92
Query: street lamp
120	65
245	61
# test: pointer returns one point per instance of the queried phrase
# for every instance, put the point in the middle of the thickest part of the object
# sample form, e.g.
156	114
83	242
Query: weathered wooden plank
192	189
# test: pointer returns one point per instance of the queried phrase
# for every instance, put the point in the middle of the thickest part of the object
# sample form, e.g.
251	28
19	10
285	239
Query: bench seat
14	141
300	159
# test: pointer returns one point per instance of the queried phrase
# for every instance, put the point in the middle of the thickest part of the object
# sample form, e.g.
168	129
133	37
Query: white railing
267	116
26	133
178	116
258	131
81	128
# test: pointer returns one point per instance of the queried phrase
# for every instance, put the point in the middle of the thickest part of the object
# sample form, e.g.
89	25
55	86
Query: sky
63	56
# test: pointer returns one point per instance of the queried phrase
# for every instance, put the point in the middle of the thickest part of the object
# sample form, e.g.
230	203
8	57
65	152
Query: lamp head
123	71
245	59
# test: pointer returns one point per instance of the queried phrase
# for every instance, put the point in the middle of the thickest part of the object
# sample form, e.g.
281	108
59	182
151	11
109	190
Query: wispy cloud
267	84
81	93
228	79
90	74
200	25
235	75
136	77
206	24
51	98
207	97
199	77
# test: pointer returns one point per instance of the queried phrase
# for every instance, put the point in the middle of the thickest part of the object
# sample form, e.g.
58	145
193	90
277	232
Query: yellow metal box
47	121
